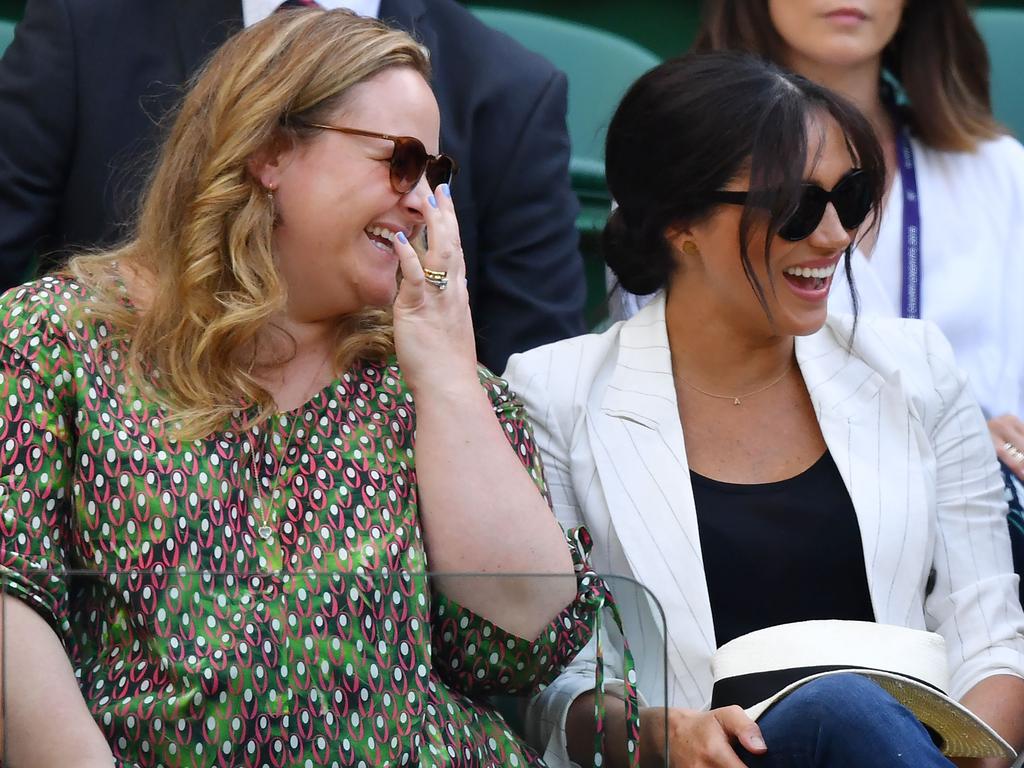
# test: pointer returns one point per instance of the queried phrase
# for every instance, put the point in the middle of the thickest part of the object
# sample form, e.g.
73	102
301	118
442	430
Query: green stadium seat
600	67
1003	32
6	33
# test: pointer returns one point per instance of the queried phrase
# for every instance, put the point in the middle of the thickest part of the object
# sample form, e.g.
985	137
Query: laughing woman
244	389
754	461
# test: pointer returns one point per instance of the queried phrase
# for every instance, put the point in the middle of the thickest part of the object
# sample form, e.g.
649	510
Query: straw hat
767	665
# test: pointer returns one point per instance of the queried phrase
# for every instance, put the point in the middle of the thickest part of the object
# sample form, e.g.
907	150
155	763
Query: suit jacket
85	85
908	439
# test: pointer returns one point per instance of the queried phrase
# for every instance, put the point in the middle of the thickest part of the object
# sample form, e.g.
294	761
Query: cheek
790	19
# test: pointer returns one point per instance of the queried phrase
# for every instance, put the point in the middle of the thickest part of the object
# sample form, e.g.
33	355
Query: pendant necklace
737	398
264	512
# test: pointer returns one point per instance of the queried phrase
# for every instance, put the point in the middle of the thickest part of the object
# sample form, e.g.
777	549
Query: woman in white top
963	235
741	188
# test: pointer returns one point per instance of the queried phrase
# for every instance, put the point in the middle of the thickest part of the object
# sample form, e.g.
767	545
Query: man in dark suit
85	83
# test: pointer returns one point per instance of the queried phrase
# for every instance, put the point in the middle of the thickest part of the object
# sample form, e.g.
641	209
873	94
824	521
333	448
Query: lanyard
910	305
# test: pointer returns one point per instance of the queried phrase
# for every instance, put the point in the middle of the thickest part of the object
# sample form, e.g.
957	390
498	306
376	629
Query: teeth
819	272
384	232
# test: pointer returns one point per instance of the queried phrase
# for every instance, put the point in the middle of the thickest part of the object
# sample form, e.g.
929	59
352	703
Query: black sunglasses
851	197
409	161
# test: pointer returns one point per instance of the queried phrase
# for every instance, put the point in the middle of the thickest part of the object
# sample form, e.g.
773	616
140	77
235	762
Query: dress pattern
196	640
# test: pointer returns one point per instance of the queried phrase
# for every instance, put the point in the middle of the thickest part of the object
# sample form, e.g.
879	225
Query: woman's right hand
697	739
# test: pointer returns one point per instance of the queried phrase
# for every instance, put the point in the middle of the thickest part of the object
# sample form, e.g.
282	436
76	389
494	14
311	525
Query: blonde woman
236	391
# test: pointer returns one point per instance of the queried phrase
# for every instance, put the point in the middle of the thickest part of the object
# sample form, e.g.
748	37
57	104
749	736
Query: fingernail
432	200
446	190
757	742
402	238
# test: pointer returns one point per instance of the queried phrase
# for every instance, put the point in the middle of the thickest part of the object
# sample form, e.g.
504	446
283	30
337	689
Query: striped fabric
908	439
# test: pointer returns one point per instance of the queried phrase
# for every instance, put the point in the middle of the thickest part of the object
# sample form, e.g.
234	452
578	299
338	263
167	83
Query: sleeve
36	460
547	711
37	132
475	655
974	603
531	287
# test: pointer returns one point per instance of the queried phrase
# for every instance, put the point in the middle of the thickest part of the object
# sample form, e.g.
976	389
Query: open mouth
382	238
809	279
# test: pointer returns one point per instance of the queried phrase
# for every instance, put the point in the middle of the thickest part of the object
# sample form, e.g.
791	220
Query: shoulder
49	304
562	376
915	350
993	168
45	323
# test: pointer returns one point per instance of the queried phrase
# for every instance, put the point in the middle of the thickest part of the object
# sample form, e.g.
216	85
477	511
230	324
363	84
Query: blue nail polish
432	200
402	238
446	190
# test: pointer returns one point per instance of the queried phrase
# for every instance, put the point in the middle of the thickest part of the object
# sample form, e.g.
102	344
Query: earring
270	192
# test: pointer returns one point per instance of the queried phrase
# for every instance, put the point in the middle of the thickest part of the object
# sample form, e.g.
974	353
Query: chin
382	296
808	325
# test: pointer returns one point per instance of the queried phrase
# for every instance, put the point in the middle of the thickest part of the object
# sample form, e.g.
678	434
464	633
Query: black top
781	552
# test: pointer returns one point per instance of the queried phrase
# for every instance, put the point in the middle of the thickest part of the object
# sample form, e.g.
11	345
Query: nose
830	234
415	201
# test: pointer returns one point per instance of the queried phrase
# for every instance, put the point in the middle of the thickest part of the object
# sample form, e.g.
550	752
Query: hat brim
960	732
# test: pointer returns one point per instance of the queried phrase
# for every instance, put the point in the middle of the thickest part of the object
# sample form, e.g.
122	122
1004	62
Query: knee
845	702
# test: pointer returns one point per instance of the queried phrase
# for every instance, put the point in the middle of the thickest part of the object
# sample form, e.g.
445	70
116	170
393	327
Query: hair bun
641	264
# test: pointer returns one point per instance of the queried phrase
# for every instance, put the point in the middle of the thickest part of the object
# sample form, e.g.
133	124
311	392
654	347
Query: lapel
640	457
201	26
637	439
870	427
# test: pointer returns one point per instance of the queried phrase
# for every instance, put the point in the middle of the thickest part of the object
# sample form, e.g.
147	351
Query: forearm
482	514
999	701
580	729
40	691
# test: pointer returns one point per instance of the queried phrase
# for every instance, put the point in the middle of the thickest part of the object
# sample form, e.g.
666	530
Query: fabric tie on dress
596	594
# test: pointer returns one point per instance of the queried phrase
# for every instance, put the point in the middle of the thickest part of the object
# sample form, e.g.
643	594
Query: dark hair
690	126
937	55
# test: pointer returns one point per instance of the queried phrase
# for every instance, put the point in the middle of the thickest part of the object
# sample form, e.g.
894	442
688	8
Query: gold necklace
265	530
736	398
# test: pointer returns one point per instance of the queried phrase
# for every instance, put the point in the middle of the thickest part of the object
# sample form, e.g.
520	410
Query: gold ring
435	274
439	284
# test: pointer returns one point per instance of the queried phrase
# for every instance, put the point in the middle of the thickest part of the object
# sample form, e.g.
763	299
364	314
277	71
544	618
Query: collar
257	10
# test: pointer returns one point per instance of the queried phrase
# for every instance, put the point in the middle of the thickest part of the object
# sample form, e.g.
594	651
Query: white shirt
972	265
257	10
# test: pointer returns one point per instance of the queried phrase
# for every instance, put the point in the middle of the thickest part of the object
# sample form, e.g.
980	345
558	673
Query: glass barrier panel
357	668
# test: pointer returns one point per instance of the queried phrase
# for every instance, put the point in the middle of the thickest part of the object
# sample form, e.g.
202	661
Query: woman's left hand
433	328
1008	437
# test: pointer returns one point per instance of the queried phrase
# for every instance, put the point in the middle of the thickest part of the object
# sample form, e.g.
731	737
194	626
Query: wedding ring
436	277
1015	453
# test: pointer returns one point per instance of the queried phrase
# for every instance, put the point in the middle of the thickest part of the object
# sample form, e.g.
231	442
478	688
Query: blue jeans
843	721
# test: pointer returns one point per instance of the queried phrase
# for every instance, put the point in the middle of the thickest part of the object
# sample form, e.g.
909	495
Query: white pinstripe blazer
908	439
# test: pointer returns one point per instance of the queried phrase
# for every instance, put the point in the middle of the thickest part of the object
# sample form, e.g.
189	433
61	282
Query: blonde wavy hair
203	234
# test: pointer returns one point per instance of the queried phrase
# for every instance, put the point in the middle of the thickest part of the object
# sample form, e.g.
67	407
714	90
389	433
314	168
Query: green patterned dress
203	632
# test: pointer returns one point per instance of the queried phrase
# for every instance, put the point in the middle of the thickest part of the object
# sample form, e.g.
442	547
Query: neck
288	339
715	355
